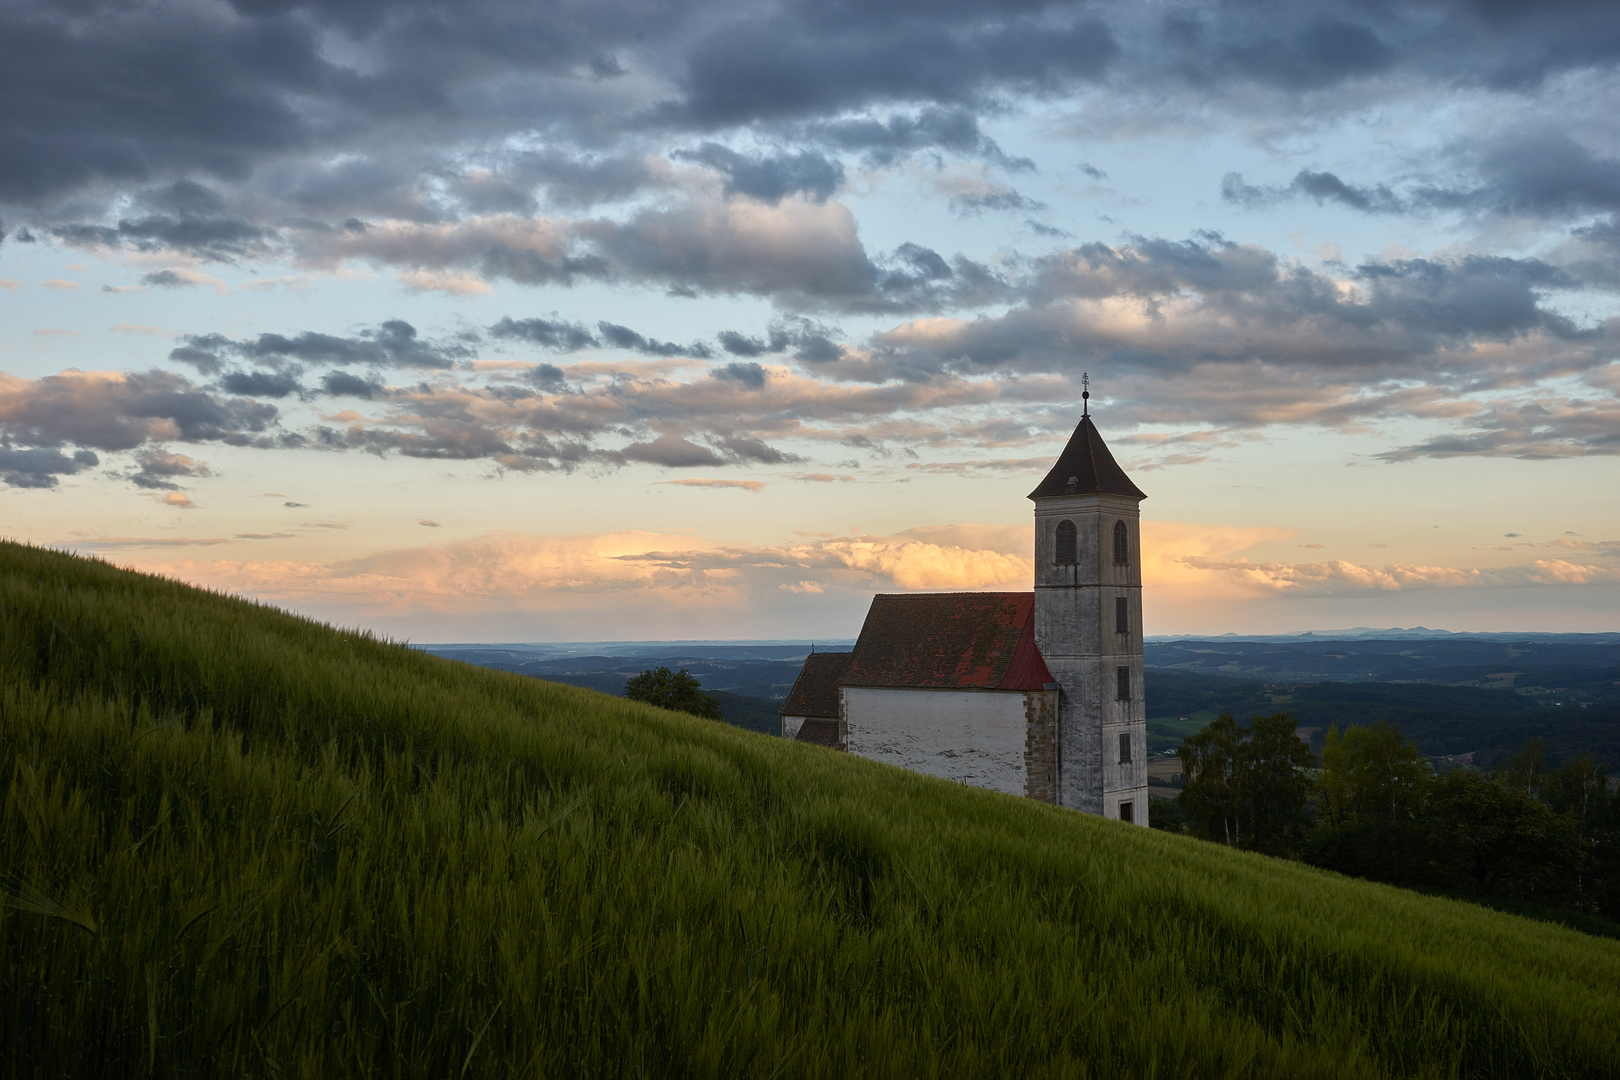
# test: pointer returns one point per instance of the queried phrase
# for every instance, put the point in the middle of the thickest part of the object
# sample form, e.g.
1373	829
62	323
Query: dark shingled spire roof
1087	462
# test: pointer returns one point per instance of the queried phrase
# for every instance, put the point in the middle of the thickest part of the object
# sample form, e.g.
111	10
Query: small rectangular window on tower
1124	683
1122	615
1127	813
1124	748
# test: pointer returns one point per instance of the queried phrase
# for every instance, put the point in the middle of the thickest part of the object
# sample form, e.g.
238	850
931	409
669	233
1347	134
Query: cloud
887	141
183	217
60	284
179	500
750	375
779	66
454	282
115	411
40	467
557	335
429	522
671	451
650	572
260	384
622	337
771	178
974	192
1324	187
1337	577
393	343
742	485
342	384
159	469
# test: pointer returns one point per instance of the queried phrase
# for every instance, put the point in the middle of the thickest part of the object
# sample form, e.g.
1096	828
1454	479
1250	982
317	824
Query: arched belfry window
1066	547
1122	545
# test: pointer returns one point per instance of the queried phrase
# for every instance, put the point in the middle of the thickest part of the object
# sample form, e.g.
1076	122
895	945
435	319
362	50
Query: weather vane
1085	393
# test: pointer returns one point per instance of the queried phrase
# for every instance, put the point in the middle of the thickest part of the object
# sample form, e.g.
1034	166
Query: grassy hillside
235	842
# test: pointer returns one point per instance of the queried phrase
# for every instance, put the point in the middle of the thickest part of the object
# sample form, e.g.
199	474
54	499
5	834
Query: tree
1496	838
1369	801
1371	774
1210	768
672	690
1579	792
1247	787
1526	770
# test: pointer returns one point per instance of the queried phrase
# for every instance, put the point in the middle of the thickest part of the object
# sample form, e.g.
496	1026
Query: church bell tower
1088	625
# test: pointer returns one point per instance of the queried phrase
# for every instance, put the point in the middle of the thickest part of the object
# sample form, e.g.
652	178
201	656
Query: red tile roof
1087	463
949	640
815	692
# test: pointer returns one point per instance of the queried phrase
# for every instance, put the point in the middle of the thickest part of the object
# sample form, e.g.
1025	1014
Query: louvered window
1122	553
1122	615
1066	544
1124	674
1124	748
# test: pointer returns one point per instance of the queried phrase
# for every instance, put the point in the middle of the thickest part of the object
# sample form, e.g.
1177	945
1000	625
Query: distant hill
1488	722
748	681
1373	659
234	842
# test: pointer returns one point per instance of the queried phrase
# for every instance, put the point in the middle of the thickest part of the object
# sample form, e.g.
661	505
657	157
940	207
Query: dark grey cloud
745	449
61	420
750	375
1211	312
557	335
1322	186
622	337
160	470
166	279
1292	50
126	412
41	467
391	344
260	101
1483	297
1542	172
954	130
199	356
260	384
771	178
1040	228
811	341
1002	199
342	384
1537	428
184	216
826	60
1535	173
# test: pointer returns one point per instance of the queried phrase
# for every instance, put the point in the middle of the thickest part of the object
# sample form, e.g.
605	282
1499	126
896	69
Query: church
1031	693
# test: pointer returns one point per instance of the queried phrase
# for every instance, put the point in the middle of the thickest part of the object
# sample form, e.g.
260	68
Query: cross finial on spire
1085	393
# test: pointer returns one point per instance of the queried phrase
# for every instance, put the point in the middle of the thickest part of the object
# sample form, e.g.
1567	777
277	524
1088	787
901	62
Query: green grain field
238	843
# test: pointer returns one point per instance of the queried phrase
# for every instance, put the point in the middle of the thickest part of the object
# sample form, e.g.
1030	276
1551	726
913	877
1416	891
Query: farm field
237	842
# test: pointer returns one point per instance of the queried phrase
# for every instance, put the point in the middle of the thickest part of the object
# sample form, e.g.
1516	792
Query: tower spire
1085	394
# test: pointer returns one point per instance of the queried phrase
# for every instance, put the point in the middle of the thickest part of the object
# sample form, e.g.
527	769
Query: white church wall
791	726
972	736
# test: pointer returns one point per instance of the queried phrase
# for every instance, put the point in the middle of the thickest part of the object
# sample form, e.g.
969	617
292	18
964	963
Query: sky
499	320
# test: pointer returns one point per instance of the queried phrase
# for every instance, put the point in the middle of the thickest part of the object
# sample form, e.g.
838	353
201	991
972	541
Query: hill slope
237	842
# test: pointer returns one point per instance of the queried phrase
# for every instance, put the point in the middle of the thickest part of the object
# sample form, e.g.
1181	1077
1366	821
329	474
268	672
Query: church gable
815	692
963	641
